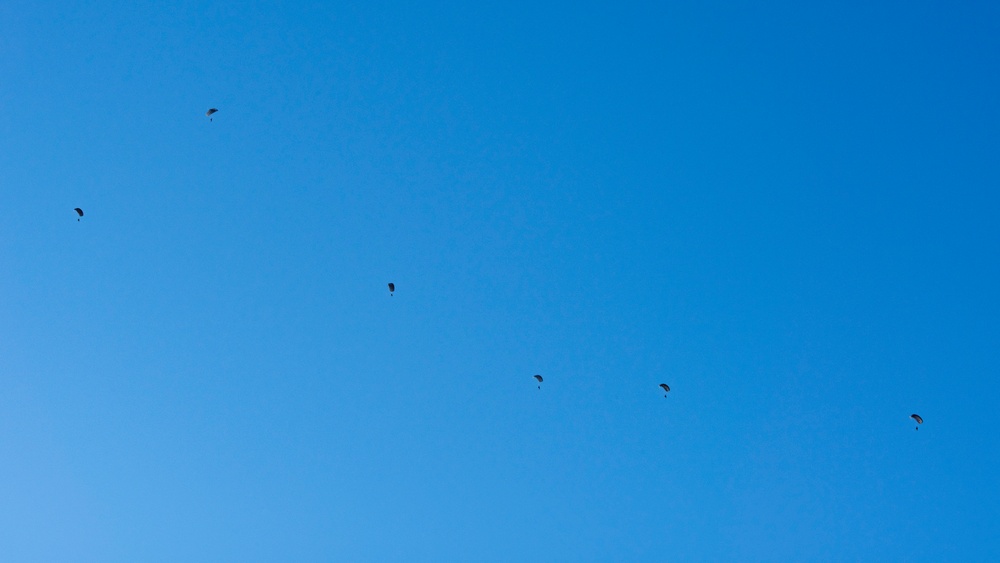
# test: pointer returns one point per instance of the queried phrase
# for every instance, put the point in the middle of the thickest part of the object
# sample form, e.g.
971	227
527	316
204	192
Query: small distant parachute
919	420
538	378
209	113
392	288
79	212
666	389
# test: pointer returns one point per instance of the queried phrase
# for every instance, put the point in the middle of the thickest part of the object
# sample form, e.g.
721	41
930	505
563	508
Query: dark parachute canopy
209	113
538	378
666	388
919	420
392	288
79	212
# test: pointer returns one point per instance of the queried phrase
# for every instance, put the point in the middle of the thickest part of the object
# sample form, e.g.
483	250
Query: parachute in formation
392	288
538	378
209	113
666	388
919	420
79	212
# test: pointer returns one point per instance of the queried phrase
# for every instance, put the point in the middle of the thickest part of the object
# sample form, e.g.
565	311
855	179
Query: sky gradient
786	212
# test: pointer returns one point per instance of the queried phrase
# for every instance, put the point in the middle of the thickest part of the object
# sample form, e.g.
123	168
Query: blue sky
785	211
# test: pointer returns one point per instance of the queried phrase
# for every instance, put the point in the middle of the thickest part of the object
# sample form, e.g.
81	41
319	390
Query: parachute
919	420
78	212
539	379
392	288
666	389
209	113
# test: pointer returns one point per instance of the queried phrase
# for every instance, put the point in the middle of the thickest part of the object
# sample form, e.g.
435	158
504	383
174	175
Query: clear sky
786	211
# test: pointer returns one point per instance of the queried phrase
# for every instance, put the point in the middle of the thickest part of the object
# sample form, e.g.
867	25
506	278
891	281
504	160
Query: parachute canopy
392	287
210	112
917	418
666	388
78	211
538	378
